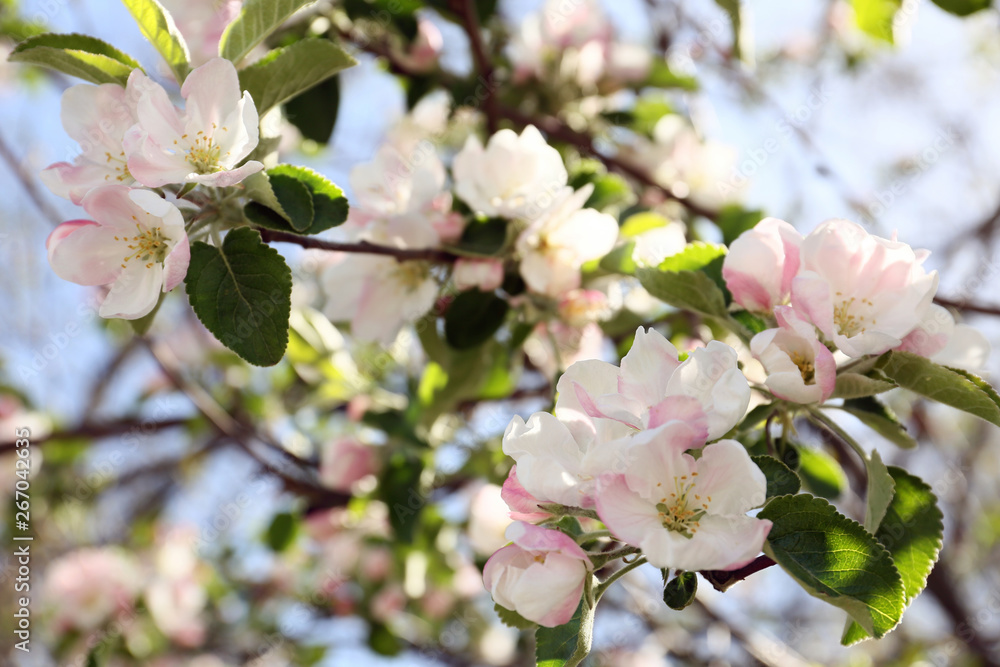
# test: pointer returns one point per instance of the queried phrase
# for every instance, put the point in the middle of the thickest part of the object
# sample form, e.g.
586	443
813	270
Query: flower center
847	318
806	367
203	154
148	246
682	511
120	165
410	275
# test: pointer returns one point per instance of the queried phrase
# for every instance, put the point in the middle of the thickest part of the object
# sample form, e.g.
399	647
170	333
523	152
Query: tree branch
466	10
91	430
967	306
400	254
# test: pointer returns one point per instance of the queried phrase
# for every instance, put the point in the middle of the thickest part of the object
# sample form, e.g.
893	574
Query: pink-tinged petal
680	408
772	243
747	290
711	375
718	543
175	266
588	234
113	207
523	505
967	349
97	117
825	370
211	93
597	378
135	293
549	459
788	385
158	118
85	253
647	367
629	517
224	179
496	564
155	168
549	593
728	475
811	298
74	181
535	538
591	409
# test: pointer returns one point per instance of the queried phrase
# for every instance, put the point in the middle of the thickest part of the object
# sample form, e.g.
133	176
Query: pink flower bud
483	274
761	264
345	461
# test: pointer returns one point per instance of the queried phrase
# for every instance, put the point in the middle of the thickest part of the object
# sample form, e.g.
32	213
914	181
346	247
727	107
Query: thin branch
29	183
942	586
400	254
968	306
466	10
91	431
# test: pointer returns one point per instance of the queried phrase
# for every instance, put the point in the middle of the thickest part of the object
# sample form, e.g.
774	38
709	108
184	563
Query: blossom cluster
132	138
839	293
403	200
631	443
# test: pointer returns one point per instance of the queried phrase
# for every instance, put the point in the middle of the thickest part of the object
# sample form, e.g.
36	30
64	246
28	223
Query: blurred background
233	560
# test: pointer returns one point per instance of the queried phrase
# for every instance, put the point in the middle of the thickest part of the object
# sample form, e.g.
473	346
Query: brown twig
28	182
466	11
400	254
942	586
91	431
967	306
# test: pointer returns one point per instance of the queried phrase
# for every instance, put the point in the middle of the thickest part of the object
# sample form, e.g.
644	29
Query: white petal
135	293
728	474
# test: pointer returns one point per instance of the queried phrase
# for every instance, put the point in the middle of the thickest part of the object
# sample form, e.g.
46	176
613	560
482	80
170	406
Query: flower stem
567	510
618	574
586	636
597	534
833	427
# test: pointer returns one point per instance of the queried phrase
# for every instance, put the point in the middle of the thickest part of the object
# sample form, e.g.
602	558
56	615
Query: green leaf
912	531
963	7
281	532
554	646
752	323
733	220
781	480
855	385
158	27
314	112
690	290
84	57
242	294
284	73
732	8
512	618
287	185
696	256
620	259
820	473
679	592
834	559
257	20
879	493
473	317
399	488
875	17
957	388
661	76
880	419
482	238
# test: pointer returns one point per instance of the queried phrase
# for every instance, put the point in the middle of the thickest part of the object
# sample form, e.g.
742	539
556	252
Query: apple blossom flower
483	274
597	399
690	166
204	143
865	293
580	307
97	117
555	345
940	339
346	460
397	183
136	244
761	265
377	294
653	246
425	49
799	367
564	238
176	606
515	176
554	464
684	513
540	576
488	519
87	587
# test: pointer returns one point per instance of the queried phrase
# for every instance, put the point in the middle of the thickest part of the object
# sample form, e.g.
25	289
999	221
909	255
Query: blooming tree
679	381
